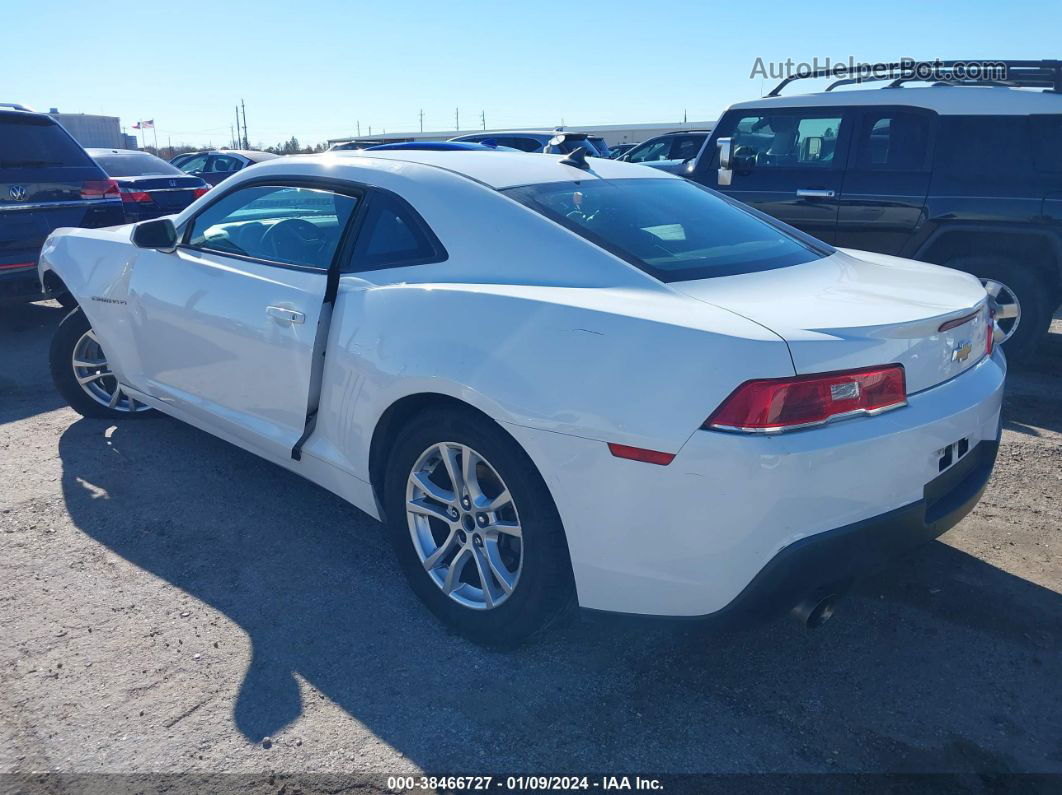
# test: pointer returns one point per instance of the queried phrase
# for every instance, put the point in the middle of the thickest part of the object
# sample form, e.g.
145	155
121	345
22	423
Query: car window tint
673	229
1047	142
892	141
651	150
787	140
995	146
523	144
134	164
295	226
393	235
35	142
686	147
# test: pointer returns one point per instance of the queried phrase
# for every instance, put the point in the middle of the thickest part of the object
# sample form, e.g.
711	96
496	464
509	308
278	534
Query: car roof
97	150
250	154
944	99
498	170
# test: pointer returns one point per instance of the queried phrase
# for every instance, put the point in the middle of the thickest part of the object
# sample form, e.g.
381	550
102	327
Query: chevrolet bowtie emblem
962	352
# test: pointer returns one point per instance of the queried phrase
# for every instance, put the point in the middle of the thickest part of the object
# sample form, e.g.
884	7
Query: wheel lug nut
482	519
454	513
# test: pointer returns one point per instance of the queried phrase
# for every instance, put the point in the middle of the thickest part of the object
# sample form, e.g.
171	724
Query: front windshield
673	229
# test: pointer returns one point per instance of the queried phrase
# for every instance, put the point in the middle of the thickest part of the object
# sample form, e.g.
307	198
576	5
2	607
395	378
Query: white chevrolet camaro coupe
558	381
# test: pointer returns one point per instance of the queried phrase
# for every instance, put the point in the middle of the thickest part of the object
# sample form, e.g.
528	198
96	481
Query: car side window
787	140
223	164
686	146
393	235
1047	142
288	225
651	150
197	163
892	141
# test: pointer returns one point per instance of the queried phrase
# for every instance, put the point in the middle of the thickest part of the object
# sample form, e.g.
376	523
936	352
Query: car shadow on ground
25	334
942	663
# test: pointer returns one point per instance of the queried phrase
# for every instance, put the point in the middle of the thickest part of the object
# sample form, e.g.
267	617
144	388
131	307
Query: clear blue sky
313	69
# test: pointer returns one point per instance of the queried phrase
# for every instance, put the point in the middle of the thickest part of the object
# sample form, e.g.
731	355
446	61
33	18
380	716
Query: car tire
1031	293
89	389
543	588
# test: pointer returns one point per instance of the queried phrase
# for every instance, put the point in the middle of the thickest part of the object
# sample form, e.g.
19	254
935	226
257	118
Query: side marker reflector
640	454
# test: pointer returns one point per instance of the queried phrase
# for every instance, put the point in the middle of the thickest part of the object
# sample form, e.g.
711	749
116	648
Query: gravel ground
171	603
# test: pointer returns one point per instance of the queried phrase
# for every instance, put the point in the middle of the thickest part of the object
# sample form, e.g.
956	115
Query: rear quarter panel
609	365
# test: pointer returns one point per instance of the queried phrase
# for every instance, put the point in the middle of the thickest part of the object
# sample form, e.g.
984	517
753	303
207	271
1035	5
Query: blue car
46	181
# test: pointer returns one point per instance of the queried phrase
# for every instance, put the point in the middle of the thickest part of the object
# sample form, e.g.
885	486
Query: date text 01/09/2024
522	783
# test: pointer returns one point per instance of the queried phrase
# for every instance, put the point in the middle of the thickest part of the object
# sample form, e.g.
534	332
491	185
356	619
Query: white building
612	133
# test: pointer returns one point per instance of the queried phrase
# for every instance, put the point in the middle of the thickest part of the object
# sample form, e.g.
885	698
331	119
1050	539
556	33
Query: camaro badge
961	352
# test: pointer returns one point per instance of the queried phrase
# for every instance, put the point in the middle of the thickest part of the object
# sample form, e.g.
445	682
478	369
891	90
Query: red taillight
100	189
132	196
640	454
779	404
199	192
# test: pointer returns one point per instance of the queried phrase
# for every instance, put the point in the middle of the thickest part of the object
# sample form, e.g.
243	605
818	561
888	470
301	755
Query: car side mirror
725	172
159	234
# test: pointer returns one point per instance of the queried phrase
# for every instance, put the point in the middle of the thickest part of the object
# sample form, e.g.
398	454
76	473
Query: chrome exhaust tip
815	611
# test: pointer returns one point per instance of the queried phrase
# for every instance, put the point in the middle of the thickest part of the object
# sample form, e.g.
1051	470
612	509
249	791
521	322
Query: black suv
960	173
46	181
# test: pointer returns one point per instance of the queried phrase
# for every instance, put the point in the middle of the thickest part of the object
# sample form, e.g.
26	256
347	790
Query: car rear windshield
135	164
672	229
36	142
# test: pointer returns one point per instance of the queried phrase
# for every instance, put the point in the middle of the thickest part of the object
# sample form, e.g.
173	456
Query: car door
788	163
225	325
883	195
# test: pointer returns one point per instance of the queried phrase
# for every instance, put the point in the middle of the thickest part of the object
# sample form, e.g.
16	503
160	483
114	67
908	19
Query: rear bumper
751	523
826	563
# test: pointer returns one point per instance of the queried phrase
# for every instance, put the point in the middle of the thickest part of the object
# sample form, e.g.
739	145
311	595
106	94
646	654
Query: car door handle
809	193
286	315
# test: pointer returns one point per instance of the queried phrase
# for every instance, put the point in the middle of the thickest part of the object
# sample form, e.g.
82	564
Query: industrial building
91	130
613	134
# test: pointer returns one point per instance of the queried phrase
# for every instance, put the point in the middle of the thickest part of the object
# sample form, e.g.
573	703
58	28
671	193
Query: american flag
144	125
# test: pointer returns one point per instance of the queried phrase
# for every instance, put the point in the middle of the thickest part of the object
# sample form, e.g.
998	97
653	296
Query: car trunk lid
857	309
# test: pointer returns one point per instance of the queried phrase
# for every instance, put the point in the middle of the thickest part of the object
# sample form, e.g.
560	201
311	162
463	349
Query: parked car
215	166
617	151
149	186
542	141
967	175
670	152
46	181
540	380
365	143
441	146
181	158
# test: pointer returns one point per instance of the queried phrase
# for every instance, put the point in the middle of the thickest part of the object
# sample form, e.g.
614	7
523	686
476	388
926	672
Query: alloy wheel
94	376
464	525
1006	305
